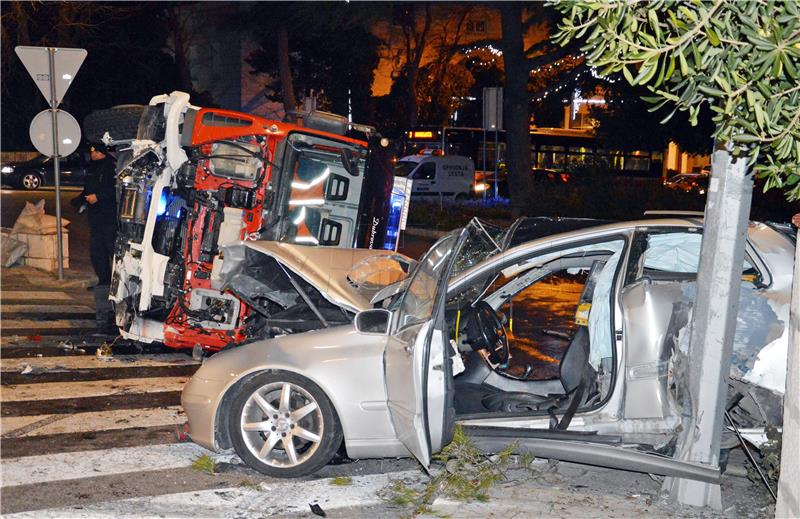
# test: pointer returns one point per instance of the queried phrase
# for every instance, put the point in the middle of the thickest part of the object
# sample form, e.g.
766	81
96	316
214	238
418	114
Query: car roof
528	229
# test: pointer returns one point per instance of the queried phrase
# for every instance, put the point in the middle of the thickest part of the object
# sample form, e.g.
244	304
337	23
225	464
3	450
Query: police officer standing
100	195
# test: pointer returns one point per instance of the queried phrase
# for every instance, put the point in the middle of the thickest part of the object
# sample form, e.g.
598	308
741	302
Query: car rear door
416	359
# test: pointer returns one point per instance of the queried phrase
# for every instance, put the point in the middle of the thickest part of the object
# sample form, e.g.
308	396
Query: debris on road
317	510
205	464
26	368
104	352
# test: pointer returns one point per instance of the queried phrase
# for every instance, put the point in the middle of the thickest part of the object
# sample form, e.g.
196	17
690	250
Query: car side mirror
375	321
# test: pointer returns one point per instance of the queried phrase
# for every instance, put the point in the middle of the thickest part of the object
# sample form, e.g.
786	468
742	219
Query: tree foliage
739	58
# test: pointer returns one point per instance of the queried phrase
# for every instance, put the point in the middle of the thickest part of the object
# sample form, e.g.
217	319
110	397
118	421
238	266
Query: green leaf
670	68
627	74
684	65
646	72
712	36
711	91
746	138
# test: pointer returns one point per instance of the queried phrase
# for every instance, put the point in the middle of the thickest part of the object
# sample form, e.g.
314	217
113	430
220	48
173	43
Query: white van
446	176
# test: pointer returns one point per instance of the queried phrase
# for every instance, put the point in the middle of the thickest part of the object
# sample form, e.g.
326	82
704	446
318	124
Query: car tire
121	123
30	181
462	197
288	436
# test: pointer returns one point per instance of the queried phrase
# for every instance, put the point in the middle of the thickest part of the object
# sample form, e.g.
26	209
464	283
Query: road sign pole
56	165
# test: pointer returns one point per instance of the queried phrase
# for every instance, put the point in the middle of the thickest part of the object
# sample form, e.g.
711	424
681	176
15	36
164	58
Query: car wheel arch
222	438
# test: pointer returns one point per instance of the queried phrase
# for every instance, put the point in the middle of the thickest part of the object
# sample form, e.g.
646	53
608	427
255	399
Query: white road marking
45	309
10	325
93	421
92	362
53	390
38	295
76	465
280	498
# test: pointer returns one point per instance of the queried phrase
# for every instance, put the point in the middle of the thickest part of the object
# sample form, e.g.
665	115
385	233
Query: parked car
38	171
562	335
689	182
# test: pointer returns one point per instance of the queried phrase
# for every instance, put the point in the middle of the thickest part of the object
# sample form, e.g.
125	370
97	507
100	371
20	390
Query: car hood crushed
322	285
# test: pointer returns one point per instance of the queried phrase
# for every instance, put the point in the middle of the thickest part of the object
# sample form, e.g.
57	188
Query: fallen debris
205	464
104	352
342	481
317	510
26	368
467	476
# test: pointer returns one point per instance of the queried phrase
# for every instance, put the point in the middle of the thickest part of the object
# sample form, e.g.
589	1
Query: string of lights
550	67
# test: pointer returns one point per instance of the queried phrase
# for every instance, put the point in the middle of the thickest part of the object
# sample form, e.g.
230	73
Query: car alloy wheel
284	425
31	181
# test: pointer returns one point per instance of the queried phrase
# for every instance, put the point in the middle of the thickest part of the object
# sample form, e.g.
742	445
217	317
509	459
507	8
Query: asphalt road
13	201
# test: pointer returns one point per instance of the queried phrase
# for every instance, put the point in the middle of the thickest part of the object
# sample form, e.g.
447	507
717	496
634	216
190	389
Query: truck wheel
121	122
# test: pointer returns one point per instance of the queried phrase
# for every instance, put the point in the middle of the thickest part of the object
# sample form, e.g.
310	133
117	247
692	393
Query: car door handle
409	349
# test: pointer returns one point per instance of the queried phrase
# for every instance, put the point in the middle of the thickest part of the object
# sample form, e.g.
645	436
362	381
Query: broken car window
419	298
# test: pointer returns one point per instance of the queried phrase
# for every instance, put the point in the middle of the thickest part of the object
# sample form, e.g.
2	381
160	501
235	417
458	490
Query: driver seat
575	375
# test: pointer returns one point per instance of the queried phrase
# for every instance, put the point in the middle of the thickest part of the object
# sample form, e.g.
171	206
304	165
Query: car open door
415	371
417	364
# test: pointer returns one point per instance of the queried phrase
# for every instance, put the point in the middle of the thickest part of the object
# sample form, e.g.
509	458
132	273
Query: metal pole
496	155
713	324
56	166
483	176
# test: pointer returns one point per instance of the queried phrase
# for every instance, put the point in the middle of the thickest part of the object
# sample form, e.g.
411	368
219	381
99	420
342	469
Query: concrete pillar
788	489
714	323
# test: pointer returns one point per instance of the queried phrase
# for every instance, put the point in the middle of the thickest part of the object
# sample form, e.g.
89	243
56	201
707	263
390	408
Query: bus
553	149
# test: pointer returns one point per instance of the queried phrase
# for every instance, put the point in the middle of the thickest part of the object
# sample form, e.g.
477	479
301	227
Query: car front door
416	373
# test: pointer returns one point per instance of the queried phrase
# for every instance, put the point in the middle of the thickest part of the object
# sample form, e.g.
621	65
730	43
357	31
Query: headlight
7	169
479	188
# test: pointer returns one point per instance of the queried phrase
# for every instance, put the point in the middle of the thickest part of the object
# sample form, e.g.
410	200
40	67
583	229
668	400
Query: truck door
425	180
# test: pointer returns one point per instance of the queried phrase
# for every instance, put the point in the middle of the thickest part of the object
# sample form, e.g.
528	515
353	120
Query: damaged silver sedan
565	336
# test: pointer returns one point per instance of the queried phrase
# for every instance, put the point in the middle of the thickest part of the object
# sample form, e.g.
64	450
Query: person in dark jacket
100	194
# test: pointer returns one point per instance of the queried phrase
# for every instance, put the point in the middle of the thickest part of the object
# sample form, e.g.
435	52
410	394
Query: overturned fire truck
194	180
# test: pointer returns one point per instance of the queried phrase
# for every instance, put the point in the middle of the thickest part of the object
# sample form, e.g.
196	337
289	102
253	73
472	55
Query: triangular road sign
67	64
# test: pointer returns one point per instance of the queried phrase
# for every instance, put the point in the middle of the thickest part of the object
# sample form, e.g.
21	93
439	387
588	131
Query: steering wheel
491	334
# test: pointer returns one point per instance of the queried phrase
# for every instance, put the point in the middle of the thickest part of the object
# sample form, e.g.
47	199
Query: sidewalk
22	276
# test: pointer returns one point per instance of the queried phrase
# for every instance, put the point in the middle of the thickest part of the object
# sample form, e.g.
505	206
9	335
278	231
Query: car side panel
347	365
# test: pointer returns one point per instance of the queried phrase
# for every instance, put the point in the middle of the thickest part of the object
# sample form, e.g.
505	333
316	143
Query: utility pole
713	324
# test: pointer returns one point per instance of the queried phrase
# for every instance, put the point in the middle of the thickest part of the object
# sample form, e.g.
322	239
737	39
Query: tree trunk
412	76
285	74
516	110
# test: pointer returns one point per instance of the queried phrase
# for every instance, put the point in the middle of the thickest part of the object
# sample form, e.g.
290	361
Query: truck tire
121	122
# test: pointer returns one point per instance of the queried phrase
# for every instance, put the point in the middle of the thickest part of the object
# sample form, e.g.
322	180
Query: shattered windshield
482	242
420	296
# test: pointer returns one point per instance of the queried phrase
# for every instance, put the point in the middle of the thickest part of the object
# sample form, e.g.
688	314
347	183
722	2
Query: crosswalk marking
28	326
44	309
50	390
93	421
35	295
76	465
92	362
